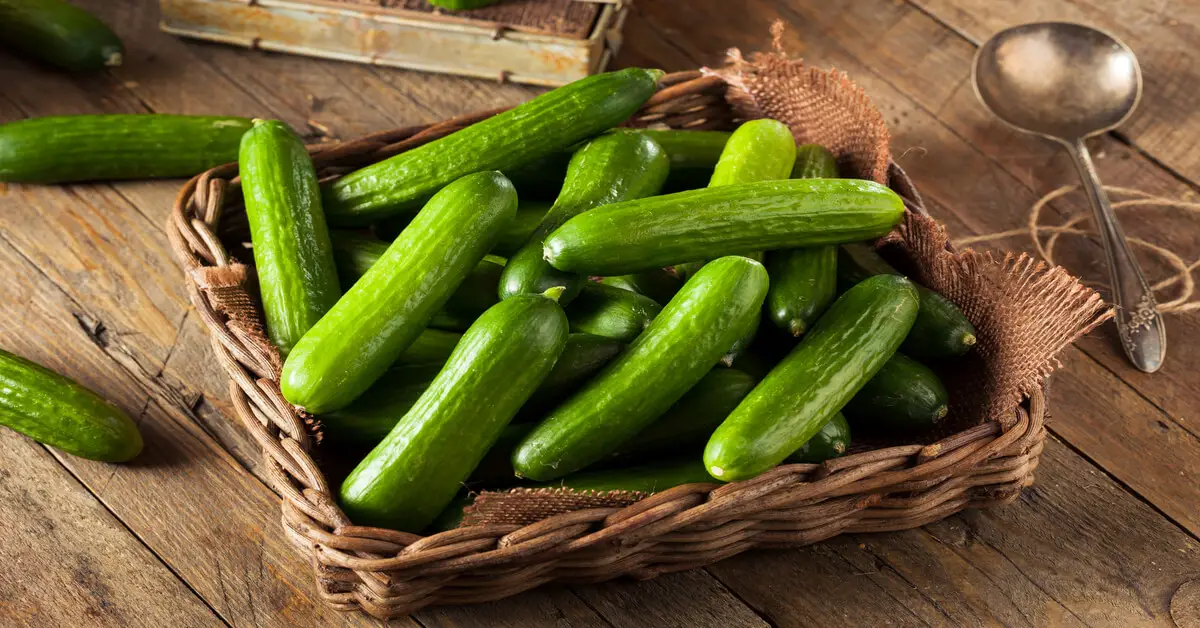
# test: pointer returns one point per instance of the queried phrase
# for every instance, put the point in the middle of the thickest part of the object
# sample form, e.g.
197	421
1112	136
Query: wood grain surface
189	532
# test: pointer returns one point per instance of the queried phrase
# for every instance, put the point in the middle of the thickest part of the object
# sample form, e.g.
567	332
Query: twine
1032	228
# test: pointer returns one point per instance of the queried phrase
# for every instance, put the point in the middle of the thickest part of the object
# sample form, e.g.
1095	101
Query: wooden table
189	534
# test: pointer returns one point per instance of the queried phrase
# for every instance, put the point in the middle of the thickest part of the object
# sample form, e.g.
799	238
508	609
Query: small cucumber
582	357
410	477
292	254
941	329
611	168
904	397
847	346
57	411
611	312
519	230
60	34
829	443
62	149
687	226
814	161
433	346
545	125
683	343
384	311
659	284
683	429
694	155
759	150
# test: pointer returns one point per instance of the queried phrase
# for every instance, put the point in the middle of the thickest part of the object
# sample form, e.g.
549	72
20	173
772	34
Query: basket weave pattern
388	573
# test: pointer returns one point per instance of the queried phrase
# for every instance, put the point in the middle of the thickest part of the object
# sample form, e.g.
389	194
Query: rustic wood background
188	535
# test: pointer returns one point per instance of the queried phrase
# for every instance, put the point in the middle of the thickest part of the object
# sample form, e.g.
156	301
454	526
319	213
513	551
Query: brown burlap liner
1025	314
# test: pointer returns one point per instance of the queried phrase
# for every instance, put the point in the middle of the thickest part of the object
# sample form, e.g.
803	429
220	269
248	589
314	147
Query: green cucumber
683	343
541	179
941	329
433	346
659	284
57	411
547	124
611	168
847	346
519	230
687	226
686	426
904	397
742	343
462	5
759	150
384	311
693	155
582	357
611	312
814	161
292	254
62	149
495	470
829	443
410	477
60	34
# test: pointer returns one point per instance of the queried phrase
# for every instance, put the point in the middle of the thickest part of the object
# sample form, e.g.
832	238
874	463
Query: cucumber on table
659	284
613	167
829	443
545	125
611	312
60	34
904	397
384	311
59	412
683	343
847	346
416	471
941	329
728	220
292	254
62	149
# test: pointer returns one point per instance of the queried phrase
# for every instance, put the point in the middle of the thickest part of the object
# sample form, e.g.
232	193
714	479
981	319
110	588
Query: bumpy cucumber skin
659	284
62	149
582	357
847	346
611	168
547	124
385	310
611	312
759	150
803	284
829	443
683	227
904	397
686	426
410	477
59	412
814	161
60	34
941	330
368	420
683	343
293	257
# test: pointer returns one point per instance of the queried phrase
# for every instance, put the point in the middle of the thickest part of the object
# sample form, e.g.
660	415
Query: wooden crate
540	42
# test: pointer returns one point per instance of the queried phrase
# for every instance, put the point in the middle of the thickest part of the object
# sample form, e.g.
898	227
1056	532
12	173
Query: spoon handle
1138	321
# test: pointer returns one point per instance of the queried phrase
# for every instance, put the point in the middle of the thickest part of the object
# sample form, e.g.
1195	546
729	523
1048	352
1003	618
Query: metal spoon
1067	82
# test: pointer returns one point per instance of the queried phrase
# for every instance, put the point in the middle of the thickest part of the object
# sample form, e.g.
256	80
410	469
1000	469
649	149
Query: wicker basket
388	573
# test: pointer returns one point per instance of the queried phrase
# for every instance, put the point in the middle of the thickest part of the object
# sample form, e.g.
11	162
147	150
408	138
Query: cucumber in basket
941	329
60	34
57	411
613	167
829	443
433	346
415	472
611	312
547	124
693	155
847	346
582	357
384	311
700	224
61	149
683	343
904	397
803	281
292	254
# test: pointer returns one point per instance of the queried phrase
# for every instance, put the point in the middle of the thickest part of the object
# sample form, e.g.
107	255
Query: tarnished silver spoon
1067	82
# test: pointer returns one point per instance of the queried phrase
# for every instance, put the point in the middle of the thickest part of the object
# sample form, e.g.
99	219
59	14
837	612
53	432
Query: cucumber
687	226
385	310
517	231
847	346
683	343
941	329
693	155
683	429
814	161
292	254
495	470
904	397
433	346
57	411
611	312
742	343
829	443
410	477
659	284
60	34
759	150
541	179
582	357
611	168
462	5
62	149
547	124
